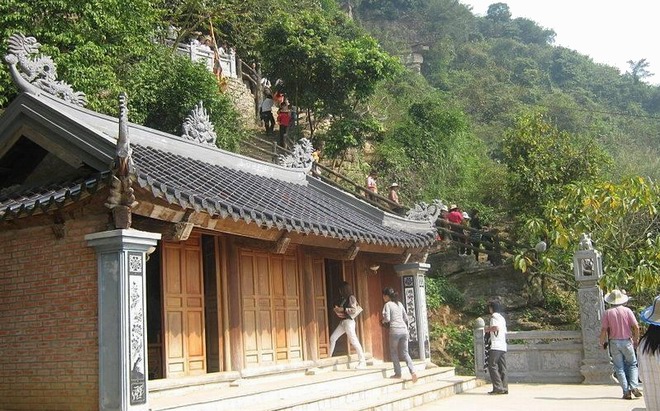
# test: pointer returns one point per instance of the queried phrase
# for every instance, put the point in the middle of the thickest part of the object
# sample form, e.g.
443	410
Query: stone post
587	267
414	299
122	324
479	349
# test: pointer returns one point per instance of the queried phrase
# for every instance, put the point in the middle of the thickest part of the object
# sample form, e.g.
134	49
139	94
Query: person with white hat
619	330
648	355
393	195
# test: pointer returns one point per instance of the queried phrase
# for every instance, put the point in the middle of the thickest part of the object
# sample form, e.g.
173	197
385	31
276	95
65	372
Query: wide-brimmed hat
394	185
466	215
453	207
616	297
443	208
651	314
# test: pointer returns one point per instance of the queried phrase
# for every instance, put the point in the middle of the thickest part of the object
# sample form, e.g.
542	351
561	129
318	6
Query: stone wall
243	101
536	356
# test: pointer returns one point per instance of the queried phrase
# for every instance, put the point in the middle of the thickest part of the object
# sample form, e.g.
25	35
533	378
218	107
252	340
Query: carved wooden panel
183	297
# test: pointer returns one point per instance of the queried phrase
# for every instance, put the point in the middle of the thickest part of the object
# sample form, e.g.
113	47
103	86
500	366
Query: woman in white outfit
648	356
344	309
396	319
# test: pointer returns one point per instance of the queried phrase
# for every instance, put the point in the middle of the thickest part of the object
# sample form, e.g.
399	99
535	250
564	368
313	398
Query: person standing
475	233
266	113
648	354
456	218
347	307
396	319
498	348
393	195
619	330
283	119
371	182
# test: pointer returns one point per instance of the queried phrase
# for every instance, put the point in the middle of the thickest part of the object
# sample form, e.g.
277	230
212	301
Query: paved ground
540	397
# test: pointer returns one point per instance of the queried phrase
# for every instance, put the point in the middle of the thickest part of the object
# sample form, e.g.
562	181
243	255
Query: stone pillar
479	348
587	267
122	324
414	299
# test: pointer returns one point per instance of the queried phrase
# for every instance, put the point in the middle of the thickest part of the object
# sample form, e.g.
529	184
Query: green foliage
542	160
335	65
351	131
105	47
623	222
458	347
440	292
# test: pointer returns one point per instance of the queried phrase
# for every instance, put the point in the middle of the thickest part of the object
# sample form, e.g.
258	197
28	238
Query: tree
107	46
325	63
542	160
623	222
499	12
639	70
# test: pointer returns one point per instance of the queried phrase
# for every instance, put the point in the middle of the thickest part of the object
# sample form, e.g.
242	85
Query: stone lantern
588	269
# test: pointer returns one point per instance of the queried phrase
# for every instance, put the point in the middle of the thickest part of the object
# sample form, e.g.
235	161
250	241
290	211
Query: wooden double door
271	308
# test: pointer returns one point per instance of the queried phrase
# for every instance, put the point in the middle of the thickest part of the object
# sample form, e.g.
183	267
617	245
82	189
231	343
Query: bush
456	347
439	291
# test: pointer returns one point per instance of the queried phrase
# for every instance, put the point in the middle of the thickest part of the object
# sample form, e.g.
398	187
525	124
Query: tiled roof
204	178
15	203
266	201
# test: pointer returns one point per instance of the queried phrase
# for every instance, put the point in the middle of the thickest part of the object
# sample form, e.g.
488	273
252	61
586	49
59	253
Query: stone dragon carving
301	157
197	126
425	212
33	72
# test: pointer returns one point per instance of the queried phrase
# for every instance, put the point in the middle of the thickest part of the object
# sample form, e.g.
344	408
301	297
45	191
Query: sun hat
616	297
466	215
452	207
651	314
394	185
443	208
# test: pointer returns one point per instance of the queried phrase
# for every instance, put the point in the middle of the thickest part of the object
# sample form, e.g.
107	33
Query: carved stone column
587	267
121	256
414	299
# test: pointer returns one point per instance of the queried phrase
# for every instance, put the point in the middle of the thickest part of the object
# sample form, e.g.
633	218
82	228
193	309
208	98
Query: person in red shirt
283	119
455	217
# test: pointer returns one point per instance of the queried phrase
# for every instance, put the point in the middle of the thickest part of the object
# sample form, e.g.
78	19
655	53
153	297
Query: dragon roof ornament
300	157
426	212
198	127
122	196
34	73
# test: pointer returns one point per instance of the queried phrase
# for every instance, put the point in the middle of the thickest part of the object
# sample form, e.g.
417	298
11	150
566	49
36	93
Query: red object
455	217
283	119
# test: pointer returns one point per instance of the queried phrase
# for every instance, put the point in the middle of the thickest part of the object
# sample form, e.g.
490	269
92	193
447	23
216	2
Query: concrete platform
540	397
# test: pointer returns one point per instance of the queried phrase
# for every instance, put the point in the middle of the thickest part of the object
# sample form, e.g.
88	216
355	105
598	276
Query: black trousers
497	370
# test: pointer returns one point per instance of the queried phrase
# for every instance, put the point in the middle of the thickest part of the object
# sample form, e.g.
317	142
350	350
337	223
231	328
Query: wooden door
270	300
183	299
321	307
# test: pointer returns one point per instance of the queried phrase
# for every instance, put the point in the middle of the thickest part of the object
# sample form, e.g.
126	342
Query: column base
596	372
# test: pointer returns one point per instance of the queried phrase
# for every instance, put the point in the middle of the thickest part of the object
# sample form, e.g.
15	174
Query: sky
609	31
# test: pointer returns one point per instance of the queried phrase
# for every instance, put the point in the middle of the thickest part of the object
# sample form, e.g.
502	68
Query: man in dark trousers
497	354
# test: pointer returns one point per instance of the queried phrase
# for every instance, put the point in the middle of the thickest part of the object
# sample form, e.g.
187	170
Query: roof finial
122	198
34	73
301	157
198	126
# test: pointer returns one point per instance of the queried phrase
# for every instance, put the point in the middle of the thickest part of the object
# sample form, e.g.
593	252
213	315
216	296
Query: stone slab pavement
540	397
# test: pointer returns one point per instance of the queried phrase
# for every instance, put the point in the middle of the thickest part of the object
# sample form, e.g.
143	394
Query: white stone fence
536	356
204	54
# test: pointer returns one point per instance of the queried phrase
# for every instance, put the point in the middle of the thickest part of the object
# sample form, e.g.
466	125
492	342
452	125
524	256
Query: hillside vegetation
537	137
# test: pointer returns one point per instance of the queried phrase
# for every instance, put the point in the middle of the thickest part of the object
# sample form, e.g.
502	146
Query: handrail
363	193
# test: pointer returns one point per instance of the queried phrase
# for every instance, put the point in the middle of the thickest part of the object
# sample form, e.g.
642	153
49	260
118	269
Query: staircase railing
327	175
495	246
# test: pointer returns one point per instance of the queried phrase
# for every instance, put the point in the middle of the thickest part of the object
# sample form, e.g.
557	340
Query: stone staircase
319	388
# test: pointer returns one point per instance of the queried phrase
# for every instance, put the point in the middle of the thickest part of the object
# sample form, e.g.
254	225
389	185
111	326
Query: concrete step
415	395
336	384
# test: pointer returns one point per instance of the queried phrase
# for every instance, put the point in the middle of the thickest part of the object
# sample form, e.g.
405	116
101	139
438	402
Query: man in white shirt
266	114
497	359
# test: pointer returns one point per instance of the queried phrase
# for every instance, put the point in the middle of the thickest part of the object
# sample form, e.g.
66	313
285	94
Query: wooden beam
351	252
183	228
282	244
